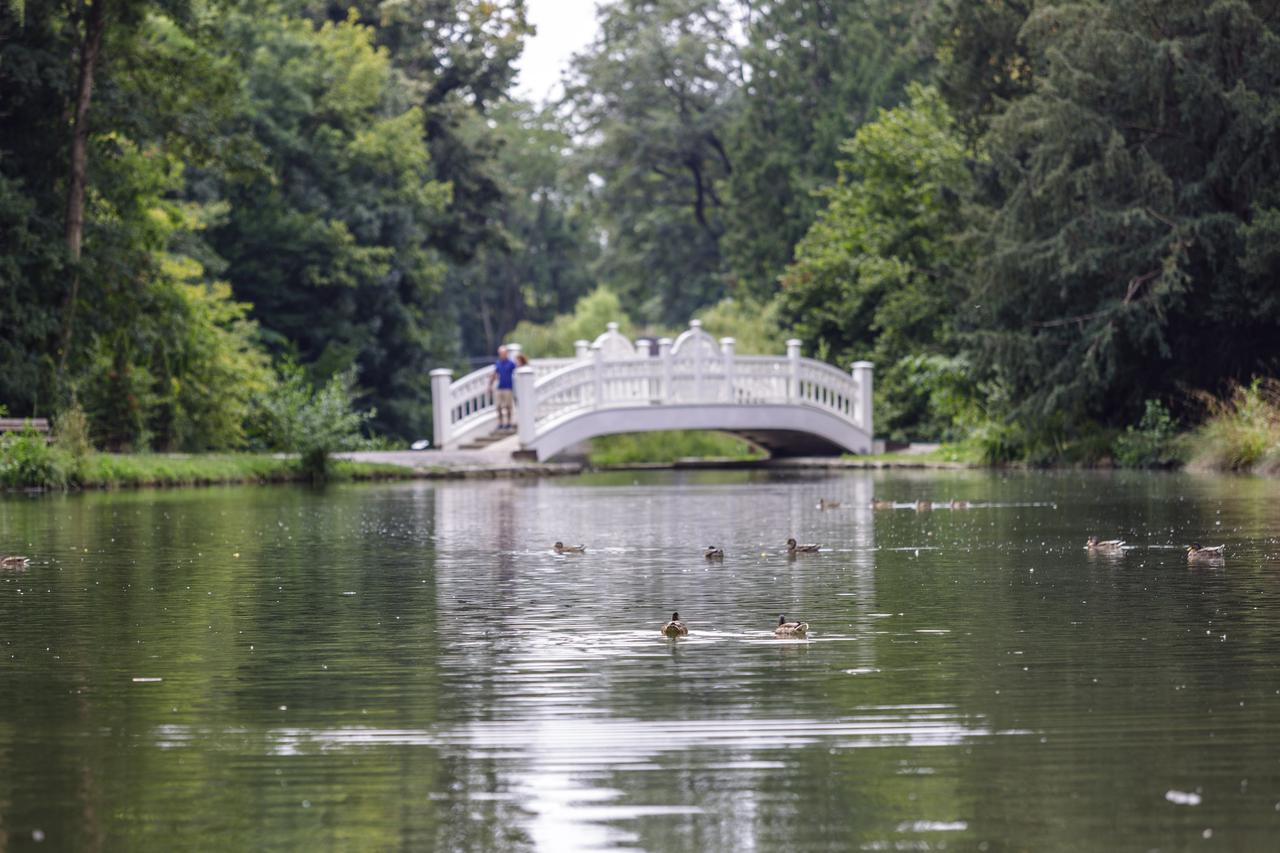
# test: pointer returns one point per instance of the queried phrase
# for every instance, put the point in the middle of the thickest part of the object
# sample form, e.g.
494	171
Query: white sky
564	27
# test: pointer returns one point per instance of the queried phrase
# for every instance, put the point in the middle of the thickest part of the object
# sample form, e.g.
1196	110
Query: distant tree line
1036	216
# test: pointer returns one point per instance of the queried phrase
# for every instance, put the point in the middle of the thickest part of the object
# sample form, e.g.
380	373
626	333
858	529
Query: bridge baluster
664	352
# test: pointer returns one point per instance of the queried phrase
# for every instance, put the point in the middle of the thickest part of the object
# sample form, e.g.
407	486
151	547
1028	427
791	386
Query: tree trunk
90	48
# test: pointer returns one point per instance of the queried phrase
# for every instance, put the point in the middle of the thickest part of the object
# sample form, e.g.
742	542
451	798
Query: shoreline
110	472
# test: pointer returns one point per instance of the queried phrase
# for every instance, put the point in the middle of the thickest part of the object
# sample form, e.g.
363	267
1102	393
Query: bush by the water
27	461
294	417
1242	431
1154	443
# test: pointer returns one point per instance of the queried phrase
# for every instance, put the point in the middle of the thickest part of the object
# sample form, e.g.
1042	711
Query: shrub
27	461
71	437
1242	430
1154	443
294	417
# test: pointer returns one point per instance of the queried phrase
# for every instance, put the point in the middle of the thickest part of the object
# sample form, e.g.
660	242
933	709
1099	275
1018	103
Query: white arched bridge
787	404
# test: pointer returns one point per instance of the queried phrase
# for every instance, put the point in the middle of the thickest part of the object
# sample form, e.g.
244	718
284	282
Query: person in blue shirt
504	371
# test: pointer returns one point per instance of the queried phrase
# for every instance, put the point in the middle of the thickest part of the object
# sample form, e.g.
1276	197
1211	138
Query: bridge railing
611	373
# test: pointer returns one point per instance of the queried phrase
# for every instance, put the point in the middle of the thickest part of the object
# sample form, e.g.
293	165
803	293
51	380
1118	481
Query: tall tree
817	71
878	274
549	242
333	247
1135	208
652	98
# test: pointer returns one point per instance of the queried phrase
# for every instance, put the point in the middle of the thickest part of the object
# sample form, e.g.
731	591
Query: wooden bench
40	425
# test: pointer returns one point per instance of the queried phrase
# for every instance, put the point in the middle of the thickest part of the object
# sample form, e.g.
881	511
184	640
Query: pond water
410	666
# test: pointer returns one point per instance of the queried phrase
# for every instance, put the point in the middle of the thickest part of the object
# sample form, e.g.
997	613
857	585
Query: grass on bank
668	446
1242	432
111	470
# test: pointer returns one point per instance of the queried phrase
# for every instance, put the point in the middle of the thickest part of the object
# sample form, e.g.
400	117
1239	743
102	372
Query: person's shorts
504	399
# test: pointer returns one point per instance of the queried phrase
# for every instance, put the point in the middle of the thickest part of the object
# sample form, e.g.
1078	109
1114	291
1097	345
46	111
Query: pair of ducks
1197	554
676	628
793	547
15	562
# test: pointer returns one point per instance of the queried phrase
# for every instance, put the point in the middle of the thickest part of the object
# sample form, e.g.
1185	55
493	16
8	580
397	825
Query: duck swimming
924	506
877	504
824	504
15	562
1203	554
675	628
561	548
1104	546
790	629
959	504
793	548
713	553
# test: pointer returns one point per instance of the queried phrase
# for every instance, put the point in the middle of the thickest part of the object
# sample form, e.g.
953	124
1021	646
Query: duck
15	562
1104	546
790	629
1197	553
713	553
675	628
561	548
825	504
959	504
793	548
924	506
878	504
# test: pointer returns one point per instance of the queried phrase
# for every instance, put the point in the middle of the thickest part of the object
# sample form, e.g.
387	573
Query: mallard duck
1197	553
1104	546
675	628
790	629
825	504
561	548
15	562
876	504
793	548
713	553
924	506
959	504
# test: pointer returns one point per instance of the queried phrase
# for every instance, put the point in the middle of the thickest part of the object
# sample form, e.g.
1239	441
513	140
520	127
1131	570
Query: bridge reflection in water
789	405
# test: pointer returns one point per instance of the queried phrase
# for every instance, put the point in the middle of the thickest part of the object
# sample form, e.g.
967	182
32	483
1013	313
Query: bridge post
644	348
727	347
440	379
597	353
664	352
793	362
696	325
526	405
862	373
581	348
514	350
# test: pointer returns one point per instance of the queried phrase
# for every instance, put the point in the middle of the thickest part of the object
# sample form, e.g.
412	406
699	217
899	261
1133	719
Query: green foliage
653	96
27	461
667	447
1124	254
71	438
818	71
330	245
753	326
314	423
589	318
1154	443
540	267
876	276
1242	430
